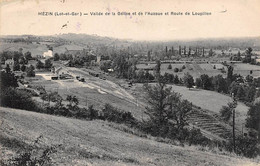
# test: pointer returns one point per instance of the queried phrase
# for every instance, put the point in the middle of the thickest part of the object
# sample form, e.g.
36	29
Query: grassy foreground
97	143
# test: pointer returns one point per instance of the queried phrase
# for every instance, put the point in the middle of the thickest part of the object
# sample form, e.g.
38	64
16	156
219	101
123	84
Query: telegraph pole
234	107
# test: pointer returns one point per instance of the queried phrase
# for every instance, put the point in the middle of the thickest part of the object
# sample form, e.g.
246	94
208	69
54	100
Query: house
98	59
9	62
110	70
48	54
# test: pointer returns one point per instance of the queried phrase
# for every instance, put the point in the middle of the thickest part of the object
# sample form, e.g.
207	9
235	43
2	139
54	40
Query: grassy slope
95	142
205	99
212	101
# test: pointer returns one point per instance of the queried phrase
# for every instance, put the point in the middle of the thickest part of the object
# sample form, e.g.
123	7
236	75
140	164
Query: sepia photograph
130	83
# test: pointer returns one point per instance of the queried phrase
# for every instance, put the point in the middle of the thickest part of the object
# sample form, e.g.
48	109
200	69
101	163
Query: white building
48	54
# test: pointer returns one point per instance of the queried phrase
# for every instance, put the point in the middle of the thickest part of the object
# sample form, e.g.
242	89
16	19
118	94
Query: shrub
195	137
30	71
11	97
93	114
176	70
32	157
111	113
226	112
247	146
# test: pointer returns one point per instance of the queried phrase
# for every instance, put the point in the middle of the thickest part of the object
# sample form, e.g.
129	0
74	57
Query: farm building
54	78
65	76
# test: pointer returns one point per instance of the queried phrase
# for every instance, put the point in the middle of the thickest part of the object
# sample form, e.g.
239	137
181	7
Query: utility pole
234	107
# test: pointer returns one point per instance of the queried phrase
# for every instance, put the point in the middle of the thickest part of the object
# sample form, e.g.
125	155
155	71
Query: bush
226	112
176	70
52	96
247	147
196	138
111	113
93	114
32	156
30	71
169	67
11	97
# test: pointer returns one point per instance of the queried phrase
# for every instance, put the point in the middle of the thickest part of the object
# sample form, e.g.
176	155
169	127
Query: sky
229	18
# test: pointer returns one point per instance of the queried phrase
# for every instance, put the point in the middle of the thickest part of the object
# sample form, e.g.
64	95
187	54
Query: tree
47	64
21	50
56	57
247	146
198	82
73	102
120	65
253	117
220	84
169	67
16	66
39	64
168	77
176	80
7	79
157	69
188	80
141	76
249	79
206	82
28	55
23	68
226	112
189	52
179	111
250	94
248	55
211	53
241	93
158	98
105	65
7	69
16	55
22	60
148	76
180	50
30	71
93	114
176	70
230	74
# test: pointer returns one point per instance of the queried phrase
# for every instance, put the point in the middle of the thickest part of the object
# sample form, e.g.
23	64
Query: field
197	69
210	101
98	143
38	49
94	91
35	49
